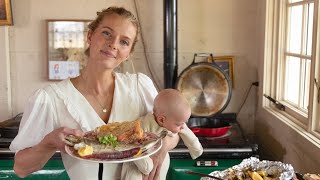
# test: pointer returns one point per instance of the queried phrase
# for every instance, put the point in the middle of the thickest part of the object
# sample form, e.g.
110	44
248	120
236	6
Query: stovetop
234	144
5	142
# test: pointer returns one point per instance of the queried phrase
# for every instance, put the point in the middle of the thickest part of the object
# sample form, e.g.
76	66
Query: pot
10	127
208	127
206	87
208	90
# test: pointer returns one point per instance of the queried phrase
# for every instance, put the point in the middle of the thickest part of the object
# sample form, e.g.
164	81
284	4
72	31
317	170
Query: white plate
72	152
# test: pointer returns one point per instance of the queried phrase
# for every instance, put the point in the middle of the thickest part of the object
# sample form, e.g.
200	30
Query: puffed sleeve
147	91
37	121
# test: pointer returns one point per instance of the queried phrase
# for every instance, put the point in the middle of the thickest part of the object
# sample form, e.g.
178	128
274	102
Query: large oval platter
155	148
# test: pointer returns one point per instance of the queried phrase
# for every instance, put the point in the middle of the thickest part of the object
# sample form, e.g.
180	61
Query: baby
170	112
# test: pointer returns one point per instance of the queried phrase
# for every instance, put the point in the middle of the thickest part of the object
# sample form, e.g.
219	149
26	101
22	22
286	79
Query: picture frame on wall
5	12
66	45
226	63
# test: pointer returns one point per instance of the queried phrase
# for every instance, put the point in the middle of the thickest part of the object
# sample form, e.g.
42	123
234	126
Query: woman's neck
100	82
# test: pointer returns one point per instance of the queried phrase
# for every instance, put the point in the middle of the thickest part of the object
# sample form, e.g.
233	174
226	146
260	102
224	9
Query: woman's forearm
32	159
170	142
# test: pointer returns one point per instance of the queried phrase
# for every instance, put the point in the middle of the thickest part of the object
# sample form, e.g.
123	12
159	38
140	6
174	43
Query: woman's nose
112	43
112	46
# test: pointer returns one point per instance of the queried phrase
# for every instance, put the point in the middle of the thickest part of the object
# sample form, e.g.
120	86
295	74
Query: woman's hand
169	142
34	158
55	139
157	159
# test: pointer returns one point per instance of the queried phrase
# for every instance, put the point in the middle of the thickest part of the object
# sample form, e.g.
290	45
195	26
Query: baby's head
171	110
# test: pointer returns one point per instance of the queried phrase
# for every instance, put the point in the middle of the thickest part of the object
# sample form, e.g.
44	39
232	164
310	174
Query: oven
219	153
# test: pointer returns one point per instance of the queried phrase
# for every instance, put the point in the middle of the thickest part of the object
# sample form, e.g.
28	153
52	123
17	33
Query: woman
98	96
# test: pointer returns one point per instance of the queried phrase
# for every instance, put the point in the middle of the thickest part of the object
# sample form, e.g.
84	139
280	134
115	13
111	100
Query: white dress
62	105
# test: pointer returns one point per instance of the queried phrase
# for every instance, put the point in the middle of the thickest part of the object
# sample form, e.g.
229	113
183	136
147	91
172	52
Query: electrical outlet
255	83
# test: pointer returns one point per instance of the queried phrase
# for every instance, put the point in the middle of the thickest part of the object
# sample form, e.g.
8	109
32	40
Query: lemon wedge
256	176
138	153
86	150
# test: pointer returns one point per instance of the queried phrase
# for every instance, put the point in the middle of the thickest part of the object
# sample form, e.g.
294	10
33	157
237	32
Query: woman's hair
114	10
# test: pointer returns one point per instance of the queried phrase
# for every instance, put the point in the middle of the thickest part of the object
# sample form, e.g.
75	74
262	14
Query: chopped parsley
109	140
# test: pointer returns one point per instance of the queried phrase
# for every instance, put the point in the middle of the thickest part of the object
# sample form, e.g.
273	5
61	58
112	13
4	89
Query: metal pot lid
206	87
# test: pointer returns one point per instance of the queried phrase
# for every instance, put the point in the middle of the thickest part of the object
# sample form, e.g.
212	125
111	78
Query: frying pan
206	86
208	90
208	127
10	127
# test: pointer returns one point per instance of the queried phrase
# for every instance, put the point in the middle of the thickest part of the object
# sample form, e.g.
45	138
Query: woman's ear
127	58
89	36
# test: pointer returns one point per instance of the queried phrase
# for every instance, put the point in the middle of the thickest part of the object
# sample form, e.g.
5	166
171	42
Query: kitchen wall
23	62
222	27
227	27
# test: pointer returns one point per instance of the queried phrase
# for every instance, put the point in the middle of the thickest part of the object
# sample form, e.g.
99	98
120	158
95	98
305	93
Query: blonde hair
119	11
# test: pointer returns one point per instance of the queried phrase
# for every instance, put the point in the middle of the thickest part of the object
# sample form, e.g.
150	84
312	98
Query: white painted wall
224	27
200	29
5	82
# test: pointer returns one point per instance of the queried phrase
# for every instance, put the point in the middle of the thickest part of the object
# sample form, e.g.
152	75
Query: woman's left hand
169	142
157	159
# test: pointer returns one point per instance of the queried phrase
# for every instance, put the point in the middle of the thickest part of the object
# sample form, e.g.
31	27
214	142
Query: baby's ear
161	118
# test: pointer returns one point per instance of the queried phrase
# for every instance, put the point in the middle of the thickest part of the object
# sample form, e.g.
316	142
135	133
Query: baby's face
174	125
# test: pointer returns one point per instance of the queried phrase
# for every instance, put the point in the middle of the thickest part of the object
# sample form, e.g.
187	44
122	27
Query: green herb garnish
109	140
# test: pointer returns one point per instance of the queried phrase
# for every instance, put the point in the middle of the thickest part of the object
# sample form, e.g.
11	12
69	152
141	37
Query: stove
219	153
5	142
229	146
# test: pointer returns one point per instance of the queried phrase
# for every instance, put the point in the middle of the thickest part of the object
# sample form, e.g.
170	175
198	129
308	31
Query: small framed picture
5	12
66	46
226	64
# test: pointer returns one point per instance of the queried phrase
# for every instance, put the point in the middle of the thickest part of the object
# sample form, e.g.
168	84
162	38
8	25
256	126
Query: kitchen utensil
206	86
151	144
202	175
9	128
208	127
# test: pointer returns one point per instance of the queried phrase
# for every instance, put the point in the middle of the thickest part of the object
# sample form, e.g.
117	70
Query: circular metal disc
206	88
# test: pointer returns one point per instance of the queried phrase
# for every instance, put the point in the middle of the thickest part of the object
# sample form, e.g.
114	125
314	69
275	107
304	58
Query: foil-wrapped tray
285	171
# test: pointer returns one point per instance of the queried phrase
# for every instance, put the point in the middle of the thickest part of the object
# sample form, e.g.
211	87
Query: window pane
306	85
310	28
295	28
292	79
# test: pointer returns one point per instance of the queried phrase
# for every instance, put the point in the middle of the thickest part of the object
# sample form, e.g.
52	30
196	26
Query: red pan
208	127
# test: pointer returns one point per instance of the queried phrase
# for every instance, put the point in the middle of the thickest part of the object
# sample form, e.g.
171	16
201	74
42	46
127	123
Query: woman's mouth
108	54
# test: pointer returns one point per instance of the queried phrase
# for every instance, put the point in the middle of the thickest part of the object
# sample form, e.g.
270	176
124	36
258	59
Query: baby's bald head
171	103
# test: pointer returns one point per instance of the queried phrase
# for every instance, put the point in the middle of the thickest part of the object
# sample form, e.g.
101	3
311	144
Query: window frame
274	65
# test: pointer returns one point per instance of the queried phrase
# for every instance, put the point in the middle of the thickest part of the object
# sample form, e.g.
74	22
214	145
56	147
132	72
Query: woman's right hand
55	139
34	158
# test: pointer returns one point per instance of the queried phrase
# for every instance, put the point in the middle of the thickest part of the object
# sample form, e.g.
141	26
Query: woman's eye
106	33
123	42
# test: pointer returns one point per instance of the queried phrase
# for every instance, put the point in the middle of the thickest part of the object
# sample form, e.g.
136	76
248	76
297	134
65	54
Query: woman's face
111	42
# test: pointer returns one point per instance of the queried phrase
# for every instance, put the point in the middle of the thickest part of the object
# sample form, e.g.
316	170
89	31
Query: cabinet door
54	169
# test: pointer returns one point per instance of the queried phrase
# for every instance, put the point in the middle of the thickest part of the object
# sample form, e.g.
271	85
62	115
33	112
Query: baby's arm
191	141
144	165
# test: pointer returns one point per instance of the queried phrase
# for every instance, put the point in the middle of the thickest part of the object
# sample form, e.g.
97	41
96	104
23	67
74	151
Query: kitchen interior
173	34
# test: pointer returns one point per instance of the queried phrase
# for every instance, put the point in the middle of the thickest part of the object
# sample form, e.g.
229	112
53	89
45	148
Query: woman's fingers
157	172
55	139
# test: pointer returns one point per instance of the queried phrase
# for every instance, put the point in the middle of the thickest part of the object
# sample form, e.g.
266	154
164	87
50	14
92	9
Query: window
292	49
